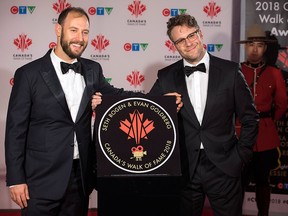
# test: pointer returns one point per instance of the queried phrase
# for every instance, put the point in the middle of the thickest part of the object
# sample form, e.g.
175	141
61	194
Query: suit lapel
50	78
213	83
88	90
182	89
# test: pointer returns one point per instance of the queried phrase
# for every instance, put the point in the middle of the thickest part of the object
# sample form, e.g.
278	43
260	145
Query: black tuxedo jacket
40	131
228	95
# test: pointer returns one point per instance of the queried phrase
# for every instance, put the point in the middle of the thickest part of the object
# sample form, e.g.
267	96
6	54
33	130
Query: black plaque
137	136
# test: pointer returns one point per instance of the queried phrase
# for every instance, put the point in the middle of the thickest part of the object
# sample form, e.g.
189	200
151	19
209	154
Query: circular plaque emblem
137	135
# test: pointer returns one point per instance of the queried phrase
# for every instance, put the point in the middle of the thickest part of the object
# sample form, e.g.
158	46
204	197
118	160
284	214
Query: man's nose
80	36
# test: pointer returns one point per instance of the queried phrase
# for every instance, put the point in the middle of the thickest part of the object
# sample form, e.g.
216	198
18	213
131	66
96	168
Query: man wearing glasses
213	92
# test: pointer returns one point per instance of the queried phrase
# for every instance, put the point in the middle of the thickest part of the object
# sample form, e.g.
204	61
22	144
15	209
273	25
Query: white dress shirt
197	86
73	85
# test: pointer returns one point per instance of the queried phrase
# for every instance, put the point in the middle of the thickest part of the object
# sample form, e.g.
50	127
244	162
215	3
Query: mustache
81	43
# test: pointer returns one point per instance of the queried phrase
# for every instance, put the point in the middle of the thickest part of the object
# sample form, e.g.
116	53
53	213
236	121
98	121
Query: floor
92	212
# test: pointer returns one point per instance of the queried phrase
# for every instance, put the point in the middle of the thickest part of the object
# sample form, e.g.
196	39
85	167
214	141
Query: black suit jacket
228	95
40	130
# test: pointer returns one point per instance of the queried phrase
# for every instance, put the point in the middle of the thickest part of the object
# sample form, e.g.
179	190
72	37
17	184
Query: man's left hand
179	102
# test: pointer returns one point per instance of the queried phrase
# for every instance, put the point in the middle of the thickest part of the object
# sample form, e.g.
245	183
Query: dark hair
179	20
65	12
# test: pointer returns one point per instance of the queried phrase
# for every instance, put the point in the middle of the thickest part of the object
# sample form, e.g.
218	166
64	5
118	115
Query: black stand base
141	196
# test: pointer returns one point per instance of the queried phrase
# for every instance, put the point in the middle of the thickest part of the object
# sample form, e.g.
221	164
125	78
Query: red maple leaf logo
61	5
137	128
100	43
136	8
135	78
212	10
170	46
22	42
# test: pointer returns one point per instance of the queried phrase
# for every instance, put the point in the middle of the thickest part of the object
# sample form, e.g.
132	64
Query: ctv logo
100	11
22	9
135	47
173	12
11	81
283	186
108	80
211	47
51	45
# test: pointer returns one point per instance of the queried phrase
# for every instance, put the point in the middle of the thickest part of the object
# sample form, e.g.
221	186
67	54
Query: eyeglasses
191	37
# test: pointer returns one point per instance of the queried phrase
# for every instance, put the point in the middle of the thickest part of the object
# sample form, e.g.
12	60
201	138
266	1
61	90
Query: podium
138	159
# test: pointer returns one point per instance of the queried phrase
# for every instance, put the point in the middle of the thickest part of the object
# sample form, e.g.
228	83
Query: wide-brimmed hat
257	34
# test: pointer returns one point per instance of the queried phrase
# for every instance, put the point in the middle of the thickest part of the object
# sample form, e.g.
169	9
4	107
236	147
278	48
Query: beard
66	47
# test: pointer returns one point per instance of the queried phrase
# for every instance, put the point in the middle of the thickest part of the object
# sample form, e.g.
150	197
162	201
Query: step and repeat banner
128	38
273	17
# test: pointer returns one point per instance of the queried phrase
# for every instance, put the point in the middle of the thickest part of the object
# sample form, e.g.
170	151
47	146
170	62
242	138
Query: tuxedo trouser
74	203
223	191
258	170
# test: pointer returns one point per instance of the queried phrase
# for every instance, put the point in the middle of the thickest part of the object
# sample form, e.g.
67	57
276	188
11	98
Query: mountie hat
256	33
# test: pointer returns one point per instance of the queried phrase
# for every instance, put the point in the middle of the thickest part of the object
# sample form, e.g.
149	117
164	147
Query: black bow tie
189	70
76	67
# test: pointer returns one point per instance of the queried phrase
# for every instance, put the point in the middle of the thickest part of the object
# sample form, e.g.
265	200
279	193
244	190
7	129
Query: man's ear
58	29
200	34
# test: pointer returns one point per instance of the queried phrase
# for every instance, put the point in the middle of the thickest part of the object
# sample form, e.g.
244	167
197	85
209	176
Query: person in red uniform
269	91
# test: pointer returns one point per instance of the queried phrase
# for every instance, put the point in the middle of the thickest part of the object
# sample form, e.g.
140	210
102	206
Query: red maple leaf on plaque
137	127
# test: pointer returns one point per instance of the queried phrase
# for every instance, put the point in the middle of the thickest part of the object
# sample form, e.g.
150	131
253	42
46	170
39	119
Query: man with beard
48	145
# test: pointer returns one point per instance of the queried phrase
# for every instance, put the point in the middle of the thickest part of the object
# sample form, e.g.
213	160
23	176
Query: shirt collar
56	59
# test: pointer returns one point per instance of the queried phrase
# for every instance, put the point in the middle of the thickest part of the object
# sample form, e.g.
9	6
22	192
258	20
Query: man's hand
19	194
179	102
96	100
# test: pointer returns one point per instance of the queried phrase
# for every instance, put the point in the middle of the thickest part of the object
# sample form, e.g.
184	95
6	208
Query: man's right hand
96	100
19	194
